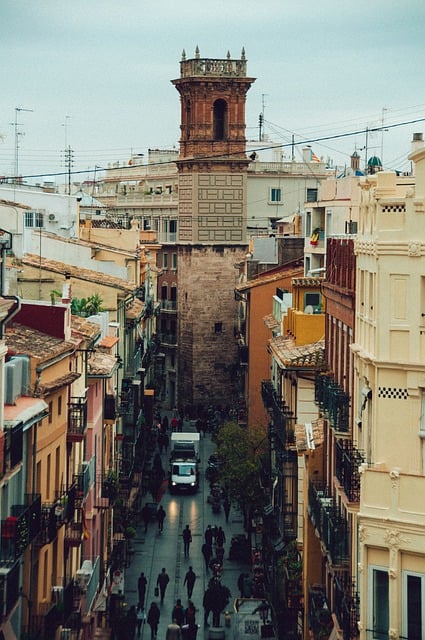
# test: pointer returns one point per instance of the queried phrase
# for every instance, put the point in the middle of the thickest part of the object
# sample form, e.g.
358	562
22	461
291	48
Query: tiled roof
101	364
82	326
24	340
301	436
134	309
53	385
108	342
78	272
305	356
270	321
266	278
307	282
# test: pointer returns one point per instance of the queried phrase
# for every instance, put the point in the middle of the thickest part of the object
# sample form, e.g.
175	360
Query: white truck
185	444
184	458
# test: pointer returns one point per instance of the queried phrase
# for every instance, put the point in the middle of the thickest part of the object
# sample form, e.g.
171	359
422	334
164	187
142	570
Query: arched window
164	292
220	120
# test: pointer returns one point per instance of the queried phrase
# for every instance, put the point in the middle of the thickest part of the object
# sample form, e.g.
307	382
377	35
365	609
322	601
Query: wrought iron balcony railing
347	462
319	614
21	527
346	607
329	523
77	419
267	394
168	305
333	401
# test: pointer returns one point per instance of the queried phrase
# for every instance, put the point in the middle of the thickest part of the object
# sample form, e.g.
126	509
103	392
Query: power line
306	141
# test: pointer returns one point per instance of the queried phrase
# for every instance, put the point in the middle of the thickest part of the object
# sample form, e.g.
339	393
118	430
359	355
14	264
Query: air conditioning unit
52	217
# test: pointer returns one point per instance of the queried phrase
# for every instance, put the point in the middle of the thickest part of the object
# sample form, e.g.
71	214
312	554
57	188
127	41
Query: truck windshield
183	470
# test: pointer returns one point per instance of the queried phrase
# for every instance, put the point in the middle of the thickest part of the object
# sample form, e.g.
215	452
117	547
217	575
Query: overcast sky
103	69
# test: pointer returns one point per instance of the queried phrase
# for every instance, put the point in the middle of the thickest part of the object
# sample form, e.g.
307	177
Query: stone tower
212	168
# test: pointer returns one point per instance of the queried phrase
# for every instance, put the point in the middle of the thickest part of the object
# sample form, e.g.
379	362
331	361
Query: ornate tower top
212	67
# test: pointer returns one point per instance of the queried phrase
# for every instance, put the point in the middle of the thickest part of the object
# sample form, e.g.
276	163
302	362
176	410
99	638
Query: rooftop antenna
68	155
261	117
16	124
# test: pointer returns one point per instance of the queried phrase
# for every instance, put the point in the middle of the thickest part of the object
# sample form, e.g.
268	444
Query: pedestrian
220	537
240	583
160	442
208	535
247	586
187	539
130	623
141	587
165	424
160	516
173	631
226	507
207	553
189	580
174	423
162	582
207	604
153	619
178	613
166	441
141	617
146	516
190	613
190	630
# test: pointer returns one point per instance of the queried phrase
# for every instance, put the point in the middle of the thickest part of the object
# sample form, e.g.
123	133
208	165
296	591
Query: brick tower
212	169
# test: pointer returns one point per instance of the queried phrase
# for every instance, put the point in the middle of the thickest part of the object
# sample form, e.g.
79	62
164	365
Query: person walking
187	539
160	516
189	580
141	617
207	553
130	623
162	582
178	613
146	516
240	583
220	537
208	535
154	615
226	507
141	587
190	613
173	631
190	631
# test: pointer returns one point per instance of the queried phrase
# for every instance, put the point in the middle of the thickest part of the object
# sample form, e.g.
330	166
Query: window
275	195
165	260
174	260
50	412
413	605
34	219
311	195
220	120
379	605
218	327
308	223
164	292
59	405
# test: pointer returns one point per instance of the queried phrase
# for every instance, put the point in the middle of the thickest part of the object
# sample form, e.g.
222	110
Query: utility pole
16	124
382	135
69	155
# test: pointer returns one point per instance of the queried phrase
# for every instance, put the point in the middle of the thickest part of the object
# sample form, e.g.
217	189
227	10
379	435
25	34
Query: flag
314	158
86	532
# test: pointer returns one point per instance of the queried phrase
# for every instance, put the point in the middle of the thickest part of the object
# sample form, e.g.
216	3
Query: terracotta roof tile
108	342
301	436
305	356
46	388
24	340
82	326
101	364
78	272
270	321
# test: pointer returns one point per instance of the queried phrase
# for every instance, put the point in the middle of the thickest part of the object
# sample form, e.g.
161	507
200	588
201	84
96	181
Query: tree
87	306
240	449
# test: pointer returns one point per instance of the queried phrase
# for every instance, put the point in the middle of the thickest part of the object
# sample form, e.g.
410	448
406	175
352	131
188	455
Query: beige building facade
389	401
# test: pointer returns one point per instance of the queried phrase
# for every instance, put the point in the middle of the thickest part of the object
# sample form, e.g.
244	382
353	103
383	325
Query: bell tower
212	167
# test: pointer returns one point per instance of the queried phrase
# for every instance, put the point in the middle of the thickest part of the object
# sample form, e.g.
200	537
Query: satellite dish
309	309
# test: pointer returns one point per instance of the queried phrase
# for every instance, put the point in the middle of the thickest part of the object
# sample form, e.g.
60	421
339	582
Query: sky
95	77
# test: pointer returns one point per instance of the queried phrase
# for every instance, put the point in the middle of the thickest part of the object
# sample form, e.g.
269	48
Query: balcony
21	527
282	417
333	401
77	419
109	409
168	339
319	615
169	305
73	536
346	606
347	462
329	523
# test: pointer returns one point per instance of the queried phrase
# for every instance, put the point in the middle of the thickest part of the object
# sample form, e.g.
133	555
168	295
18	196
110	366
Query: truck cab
183	476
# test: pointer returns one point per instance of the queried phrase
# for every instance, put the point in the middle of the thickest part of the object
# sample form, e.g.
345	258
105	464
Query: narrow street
154	551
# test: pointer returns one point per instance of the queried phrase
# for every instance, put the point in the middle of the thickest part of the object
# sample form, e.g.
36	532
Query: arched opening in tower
220	120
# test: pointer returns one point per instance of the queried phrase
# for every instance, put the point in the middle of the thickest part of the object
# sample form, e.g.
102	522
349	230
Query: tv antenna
17	124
